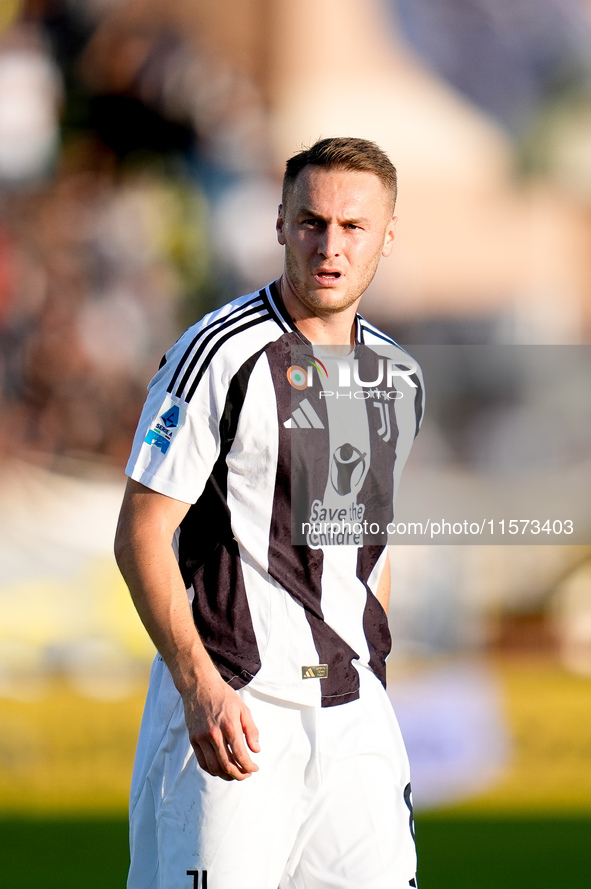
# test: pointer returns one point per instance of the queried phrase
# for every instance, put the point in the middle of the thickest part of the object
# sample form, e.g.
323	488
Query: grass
484	852
63	853
455	852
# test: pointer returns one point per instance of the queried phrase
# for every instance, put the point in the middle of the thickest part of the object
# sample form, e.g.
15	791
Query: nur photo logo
302	378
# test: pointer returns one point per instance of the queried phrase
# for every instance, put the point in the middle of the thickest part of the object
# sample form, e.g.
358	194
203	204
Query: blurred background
142	144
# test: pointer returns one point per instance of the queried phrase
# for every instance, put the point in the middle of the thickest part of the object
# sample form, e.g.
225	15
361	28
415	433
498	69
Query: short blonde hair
344	153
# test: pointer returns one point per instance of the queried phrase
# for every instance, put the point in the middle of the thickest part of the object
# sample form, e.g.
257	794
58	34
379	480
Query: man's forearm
383	588
217	720
143	549
158	593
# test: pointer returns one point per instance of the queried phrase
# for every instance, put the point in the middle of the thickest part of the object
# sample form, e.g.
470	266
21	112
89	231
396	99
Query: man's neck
328	328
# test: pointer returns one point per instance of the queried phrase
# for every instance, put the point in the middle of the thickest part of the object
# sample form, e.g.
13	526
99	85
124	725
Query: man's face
335	228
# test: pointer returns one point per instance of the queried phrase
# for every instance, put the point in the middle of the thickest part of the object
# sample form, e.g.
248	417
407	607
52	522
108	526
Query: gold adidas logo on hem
316	671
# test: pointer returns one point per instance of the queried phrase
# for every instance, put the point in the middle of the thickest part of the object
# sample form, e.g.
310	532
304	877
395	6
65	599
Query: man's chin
329	300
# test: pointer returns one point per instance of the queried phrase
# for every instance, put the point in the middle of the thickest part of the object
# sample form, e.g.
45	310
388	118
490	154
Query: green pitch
63	853
454	853
496	853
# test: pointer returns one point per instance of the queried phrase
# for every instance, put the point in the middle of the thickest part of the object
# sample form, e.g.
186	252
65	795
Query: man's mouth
327	276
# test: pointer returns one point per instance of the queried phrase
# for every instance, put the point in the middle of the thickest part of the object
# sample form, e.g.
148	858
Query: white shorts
329	807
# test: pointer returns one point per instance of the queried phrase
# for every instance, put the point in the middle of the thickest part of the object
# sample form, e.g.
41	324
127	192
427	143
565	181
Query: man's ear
279	225
389	237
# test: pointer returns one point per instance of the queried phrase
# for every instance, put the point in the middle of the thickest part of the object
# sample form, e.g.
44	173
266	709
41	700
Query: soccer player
251	537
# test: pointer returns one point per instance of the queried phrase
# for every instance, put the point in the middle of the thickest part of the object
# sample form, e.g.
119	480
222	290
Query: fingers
208	761
216	760
251	732
222	753
239	753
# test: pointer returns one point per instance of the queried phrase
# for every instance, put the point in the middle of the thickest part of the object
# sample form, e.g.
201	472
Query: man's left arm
383	589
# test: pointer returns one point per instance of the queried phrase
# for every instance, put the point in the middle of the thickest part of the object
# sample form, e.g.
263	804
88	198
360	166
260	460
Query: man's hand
218	722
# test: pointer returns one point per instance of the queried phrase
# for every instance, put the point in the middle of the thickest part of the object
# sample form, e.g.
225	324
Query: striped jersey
290	456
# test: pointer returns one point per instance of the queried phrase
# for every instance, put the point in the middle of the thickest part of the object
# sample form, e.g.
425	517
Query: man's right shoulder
222	340
227	313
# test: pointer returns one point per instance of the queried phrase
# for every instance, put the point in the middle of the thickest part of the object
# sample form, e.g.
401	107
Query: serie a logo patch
167	422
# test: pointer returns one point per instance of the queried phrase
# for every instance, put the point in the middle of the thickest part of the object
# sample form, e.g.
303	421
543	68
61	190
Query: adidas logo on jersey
316	671
304	417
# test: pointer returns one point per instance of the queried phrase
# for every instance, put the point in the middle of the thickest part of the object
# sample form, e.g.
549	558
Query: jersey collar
278	310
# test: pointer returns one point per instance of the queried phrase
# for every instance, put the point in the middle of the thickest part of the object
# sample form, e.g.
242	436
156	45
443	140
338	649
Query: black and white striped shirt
268	438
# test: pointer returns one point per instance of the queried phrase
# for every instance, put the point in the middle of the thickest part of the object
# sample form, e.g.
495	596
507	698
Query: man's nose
331	241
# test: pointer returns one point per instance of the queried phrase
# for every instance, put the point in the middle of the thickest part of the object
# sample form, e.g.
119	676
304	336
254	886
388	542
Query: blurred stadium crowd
113	130
134	134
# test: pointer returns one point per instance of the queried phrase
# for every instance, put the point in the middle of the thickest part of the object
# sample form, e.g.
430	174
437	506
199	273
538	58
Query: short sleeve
177	439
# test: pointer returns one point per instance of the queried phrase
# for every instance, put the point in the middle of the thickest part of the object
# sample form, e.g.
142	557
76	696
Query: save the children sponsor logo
336	525
355	399
347	468
336	519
